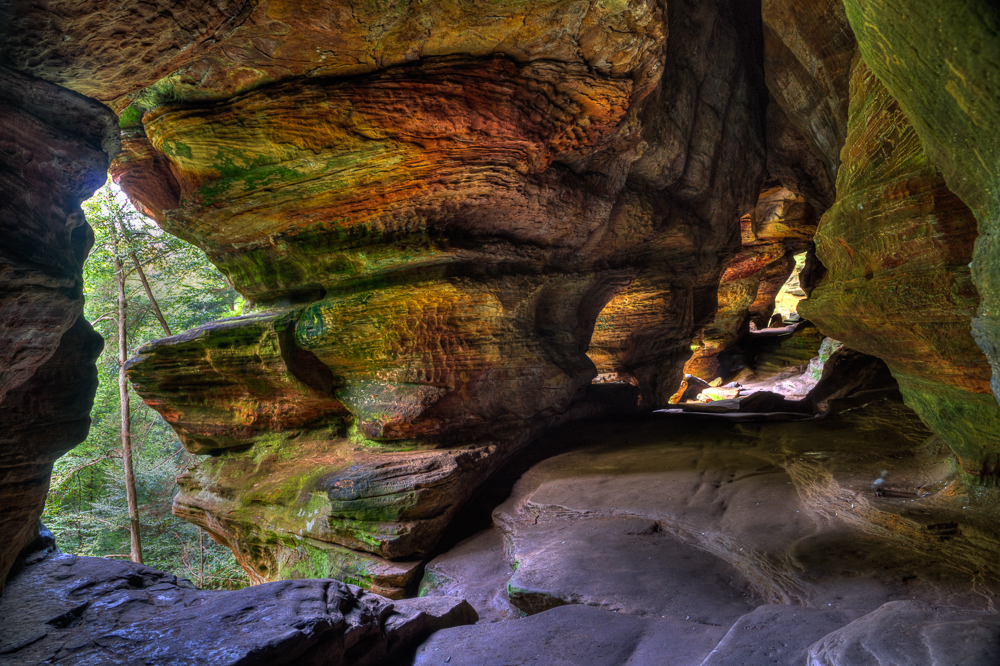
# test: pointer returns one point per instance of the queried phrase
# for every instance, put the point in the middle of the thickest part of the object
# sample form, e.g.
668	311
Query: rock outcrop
756	542
428	243
54	151
781	225
437	213
808	48
897	247
939	60
91	611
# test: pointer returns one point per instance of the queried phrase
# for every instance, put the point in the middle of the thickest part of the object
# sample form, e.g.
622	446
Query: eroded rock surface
86	610
780	226
428	243
808	49
941	60
769	535
897	247
54	151
913	632
573	636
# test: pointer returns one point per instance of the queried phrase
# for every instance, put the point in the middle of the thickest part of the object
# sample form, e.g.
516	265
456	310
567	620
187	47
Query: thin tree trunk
149	295
126	430
79	506
201	557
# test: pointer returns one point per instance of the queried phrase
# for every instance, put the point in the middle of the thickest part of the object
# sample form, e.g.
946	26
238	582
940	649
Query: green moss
433	583
968	422
329	561
177	149
252	171
130	117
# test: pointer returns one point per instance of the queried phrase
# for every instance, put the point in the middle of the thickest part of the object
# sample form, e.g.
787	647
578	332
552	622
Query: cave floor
680	539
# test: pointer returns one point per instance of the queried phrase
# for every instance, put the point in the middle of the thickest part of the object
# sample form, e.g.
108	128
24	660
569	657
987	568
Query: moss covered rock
897	246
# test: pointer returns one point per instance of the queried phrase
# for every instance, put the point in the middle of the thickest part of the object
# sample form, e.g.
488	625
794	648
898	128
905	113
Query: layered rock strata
897	246
940	60
758	542
428	244
780	226
54	151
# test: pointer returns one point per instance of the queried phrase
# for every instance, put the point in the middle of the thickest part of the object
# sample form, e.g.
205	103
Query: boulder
92	611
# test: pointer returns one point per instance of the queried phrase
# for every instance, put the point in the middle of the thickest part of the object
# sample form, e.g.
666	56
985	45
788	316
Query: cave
583	332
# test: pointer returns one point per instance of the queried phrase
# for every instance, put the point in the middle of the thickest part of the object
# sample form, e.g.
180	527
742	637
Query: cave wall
54	151
780	226
807	51
897	247
431	209
428	243
941	61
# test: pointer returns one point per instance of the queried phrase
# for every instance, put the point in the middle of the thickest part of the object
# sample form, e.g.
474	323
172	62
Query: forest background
87	507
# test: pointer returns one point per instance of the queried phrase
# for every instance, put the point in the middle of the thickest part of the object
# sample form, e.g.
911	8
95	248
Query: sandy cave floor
681	539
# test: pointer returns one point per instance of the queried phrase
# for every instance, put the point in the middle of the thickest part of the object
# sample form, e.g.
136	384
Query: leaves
86	507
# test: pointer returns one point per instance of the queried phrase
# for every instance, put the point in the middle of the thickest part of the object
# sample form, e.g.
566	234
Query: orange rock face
429	242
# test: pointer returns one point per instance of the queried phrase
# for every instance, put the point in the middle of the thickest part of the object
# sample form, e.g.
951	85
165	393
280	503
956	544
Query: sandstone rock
911	632
849	378
429	242
917	292
786	349
793	496
774	634
477	570
780	226
621	564
784	508
54	150
104	51
94	611
808	47
573	636
940	60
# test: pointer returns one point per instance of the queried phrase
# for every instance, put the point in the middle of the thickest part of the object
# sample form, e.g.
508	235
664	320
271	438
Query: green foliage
86	507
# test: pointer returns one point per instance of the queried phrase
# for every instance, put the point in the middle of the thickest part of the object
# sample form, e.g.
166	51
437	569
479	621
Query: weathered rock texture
780	226
428	242
54	147
769	533
808	47
933	635
941	61
430	207
573	636
897	246
91	611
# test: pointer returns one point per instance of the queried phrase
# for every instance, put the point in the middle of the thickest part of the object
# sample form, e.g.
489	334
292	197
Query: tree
112	493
